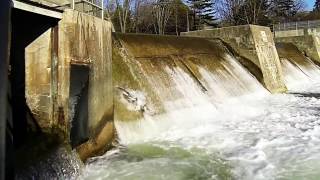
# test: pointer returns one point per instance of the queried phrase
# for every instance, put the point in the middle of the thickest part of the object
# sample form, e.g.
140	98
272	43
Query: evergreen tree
316	7
203	13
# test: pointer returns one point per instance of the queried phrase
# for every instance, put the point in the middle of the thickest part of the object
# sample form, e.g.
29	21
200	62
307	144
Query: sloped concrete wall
38	80
254	43
290	52
308	44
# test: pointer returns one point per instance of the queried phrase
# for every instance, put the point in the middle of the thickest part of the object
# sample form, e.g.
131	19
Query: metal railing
296	25
93	7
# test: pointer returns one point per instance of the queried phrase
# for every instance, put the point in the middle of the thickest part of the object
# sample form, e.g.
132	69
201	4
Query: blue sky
310	4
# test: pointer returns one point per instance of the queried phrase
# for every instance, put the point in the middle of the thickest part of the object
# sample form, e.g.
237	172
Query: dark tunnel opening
79	84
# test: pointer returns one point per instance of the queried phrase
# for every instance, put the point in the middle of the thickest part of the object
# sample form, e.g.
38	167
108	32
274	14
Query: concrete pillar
53	92
255	44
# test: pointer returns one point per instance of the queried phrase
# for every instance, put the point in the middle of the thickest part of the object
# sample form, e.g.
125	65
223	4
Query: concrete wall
254	43
308	44
313	31
290	52
297	32
86	40
82	40
38	80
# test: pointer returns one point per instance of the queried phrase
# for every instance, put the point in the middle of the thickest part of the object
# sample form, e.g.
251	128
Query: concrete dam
227	103
191	108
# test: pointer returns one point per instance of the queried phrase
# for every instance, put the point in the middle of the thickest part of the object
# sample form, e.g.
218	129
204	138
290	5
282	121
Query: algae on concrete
291	52
146	64
307	44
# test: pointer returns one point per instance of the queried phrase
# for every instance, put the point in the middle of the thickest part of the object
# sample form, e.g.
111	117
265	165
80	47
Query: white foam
263	136
299	77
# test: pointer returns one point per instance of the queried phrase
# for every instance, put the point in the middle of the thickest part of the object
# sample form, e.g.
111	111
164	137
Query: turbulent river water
253	136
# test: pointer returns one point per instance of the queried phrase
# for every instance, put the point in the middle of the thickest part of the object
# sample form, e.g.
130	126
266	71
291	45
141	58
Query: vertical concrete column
253	43
268	58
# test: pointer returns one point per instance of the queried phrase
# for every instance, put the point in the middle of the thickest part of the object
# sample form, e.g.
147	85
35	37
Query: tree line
175	16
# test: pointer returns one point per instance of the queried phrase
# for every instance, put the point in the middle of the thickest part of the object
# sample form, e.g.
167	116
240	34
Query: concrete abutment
69	79
255	44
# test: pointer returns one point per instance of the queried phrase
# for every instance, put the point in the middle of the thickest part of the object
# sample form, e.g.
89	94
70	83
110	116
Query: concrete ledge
37	10
289	33
254	43
297	32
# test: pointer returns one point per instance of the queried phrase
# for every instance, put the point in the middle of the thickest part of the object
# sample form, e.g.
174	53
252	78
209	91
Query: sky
310	4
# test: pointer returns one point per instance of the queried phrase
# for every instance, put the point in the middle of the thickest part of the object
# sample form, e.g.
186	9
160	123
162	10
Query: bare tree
237	12
188	23
142	16
148	16
228	10
162	11
123	8
300	5
255	11
136	18
176	18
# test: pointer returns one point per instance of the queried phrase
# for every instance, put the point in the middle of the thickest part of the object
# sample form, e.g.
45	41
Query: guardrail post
102	8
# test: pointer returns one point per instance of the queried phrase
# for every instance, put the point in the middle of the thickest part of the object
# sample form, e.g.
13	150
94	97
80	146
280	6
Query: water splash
257	137
218	123
298	75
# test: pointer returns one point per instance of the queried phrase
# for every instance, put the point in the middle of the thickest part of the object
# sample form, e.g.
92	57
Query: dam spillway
298	69
173	73
186	112
183	107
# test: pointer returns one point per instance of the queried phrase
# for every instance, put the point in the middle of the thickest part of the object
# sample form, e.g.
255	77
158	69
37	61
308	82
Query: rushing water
253	136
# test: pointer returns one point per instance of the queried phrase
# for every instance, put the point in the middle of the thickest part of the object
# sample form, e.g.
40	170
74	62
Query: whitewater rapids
253	136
